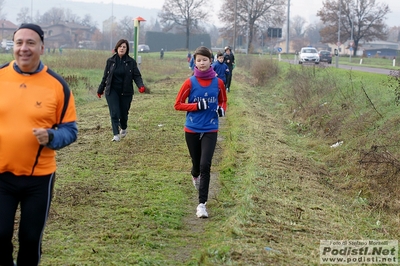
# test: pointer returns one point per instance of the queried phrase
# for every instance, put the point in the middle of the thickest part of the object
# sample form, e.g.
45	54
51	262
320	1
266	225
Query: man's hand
41	135
142	89
99	95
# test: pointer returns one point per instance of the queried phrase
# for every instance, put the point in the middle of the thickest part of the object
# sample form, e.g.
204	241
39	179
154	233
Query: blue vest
203	120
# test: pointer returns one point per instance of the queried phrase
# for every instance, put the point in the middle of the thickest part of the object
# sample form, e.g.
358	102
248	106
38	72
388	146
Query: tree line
245	23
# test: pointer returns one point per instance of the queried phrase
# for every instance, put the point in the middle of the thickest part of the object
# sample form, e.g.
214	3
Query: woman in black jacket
117	84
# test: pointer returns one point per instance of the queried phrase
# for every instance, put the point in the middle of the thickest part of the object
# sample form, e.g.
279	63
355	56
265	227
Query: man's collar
40	68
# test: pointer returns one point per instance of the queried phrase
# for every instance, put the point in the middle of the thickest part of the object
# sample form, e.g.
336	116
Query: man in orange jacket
38	116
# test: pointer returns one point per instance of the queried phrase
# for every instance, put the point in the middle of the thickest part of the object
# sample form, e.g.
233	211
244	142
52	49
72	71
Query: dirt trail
192	224
291	203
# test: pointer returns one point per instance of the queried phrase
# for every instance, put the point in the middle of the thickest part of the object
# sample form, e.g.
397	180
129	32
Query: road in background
367	69
350	67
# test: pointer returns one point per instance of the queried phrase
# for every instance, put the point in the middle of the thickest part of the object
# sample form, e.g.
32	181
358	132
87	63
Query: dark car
325	56
143	48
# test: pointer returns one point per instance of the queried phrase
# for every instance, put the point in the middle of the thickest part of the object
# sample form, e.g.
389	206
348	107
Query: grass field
278	187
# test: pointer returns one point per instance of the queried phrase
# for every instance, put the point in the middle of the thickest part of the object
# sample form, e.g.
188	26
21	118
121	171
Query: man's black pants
34	194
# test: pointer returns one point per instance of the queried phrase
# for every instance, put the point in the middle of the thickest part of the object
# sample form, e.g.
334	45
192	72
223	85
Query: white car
7	44
308	55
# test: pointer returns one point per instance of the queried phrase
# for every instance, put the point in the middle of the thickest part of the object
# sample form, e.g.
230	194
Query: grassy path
132	202
126	203
282	198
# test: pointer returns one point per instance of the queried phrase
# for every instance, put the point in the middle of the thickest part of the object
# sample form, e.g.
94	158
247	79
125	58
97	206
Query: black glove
202	105
220	111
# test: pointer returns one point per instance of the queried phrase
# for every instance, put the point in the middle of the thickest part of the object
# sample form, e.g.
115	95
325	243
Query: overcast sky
305	8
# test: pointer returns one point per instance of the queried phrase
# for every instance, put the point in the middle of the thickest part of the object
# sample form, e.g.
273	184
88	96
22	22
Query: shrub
394	83
263	69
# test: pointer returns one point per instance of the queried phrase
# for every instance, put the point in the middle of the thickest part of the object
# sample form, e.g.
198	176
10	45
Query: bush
263	69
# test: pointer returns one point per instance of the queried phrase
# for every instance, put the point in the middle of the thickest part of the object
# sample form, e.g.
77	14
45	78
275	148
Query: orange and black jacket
37	100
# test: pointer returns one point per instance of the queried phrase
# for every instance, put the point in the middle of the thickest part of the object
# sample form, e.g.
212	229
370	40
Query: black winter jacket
132	74
231	58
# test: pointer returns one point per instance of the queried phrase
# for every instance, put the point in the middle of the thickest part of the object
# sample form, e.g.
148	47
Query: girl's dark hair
119	44
204	51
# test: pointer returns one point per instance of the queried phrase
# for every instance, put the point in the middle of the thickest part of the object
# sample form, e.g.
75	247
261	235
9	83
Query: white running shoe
116	138
201	211
196	182
123	133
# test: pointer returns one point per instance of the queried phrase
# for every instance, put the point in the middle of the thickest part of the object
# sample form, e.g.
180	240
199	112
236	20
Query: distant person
117	83
37	118
220	67
189	58
162	53
229	60
191	63
203	97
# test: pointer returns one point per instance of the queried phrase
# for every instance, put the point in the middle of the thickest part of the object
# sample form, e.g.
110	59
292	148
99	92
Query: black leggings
229	79
118	106
34	194
201	148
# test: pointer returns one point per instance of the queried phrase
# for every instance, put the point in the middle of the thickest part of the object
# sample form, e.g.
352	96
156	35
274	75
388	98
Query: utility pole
288	27
234	28
111	26
338	35
247	33
351	39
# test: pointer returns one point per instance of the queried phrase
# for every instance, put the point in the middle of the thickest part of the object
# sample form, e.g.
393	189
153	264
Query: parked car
325	56
143	48
308	55
7	44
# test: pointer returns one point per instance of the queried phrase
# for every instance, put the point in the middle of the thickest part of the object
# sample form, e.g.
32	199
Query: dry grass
263	71
280	188
338	109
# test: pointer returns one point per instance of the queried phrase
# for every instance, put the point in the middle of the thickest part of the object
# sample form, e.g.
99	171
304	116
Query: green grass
276	182
369	62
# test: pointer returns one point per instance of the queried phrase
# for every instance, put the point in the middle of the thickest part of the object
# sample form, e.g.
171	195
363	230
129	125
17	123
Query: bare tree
38	17
394	34
251	15
127	28
24	15
305	36
366	16
111	33
214	33
71	17
312	33
297	27
53	16
185	14
2	15
88	22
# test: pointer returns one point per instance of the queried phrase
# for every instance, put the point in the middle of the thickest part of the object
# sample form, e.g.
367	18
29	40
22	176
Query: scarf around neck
208	74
